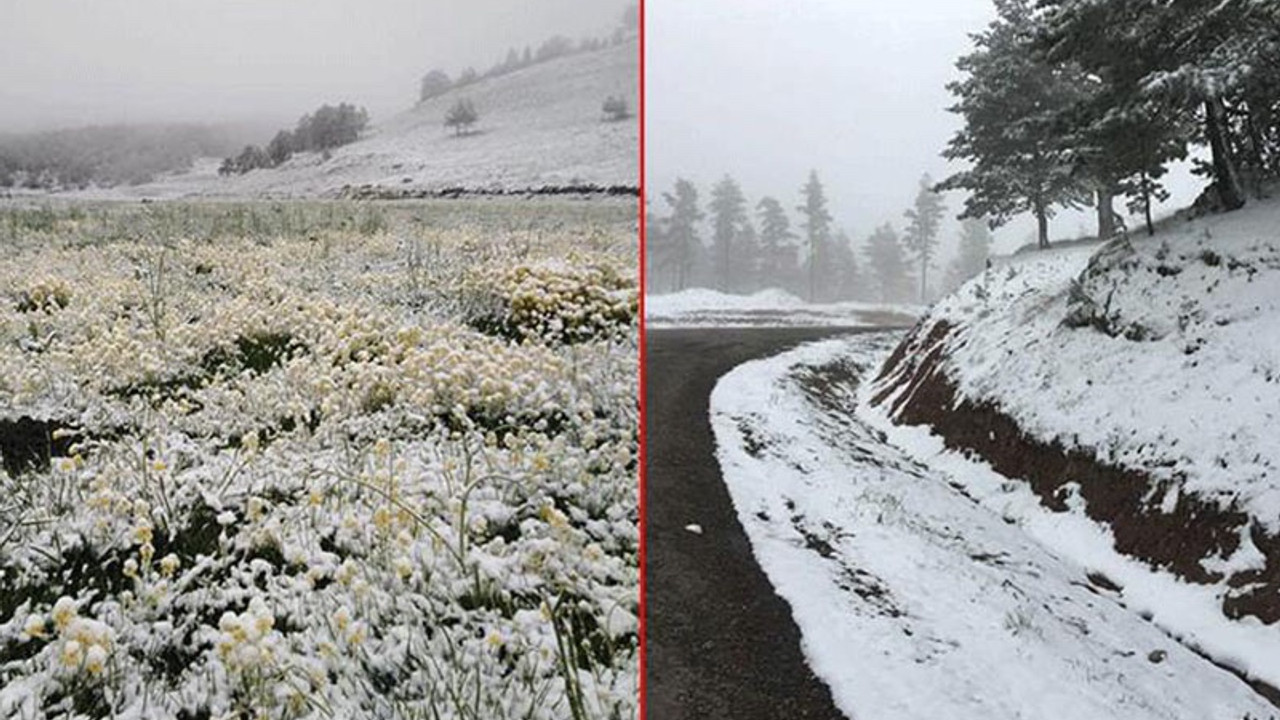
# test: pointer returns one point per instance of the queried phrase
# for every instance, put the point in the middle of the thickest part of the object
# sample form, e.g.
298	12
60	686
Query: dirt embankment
914	380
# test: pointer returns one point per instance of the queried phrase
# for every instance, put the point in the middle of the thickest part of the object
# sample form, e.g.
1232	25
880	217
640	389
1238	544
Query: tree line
1075	103
106	155
437	82
735	246
327	128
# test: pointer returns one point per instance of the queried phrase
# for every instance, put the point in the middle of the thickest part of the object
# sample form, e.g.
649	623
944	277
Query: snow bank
1160	355
918	599
704	307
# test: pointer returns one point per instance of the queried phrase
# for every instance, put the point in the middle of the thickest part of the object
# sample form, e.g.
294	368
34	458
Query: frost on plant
289	474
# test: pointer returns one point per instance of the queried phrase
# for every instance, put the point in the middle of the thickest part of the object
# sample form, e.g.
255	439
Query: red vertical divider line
643	452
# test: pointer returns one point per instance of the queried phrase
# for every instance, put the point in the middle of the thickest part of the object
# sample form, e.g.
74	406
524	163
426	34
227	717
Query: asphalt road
721	644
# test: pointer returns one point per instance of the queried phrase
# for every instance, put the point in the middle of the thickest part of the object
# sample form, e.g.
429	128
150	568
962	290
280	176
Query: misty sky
78	62
768	89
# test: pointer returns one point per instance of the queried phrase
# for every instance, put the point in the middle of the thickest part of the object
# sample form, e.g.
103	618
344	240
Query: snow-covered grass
1161	354
319	460
925	586
703	307
539	126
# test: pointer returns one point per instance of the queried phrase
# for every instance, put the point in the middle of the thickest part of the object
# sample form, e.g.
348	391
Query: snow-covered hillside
539	126
1136	383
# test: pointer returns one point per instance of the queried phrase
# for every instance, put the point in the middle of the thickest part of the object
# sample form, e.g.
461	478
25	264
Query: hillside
1135	385
540	126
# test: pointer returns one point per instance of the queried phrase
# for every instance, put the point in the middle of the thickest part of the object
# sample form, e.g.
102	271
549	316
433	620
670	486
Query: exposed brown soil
1126	500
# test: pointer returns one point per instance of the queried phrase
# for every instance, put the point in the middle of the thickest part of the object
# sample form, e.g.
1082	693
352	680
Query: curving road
720	642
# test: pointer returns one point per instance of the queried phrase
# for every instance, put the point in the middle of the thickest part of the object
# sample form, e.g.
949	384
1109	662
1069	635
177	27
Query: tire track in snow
912	599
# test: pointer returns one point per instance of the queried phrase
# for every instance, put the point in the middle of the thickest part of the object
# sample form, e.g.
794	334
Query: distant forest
329	127
106	155
437	82
738	246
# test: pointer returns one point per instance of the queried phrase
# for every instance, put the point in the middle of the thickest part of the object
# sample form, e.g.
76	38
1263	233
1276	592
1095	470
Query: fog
77	62
766	90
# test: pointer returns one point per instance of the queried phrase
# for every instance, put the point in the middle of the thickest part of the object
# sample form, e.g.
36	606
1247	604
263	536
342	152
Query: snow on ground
940	590
1172	366
541	125
697	307
277	461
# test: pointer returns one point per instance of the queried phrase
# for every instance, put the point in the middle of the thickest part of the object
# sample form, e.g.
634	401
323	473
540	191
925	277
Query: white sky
77	62
766	90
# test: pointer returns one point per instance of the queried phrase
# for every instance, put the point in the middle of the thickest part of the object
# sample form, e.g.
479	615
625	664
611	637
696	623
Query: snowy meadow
319	460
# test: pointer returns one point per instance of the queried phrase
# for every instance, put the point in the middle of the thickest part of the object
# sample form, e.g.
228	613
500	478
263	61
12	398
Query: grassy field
319	460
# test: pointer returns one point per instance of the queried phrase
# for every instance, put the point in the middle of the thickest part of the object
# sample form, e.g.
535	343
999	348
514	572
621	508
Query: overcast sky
76	62
766	90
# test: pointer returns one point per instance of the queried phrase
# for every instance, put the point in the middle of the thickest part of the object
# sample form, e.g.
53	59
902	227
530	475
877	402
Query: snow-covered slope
539	126
926	586
1136	382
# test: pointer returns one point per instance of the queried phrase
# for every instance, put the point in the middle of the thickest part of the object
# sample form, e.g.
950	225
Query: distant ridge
540	129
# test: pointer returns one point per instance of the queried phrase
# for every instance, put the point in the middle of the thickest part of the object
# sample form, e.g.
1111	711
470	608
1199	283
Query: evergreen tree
921	238
844	260
744	266
461	116
816	222
777	255
728	210
1013	104
682	243
887	266
433	84
975	249
1208	60
280	149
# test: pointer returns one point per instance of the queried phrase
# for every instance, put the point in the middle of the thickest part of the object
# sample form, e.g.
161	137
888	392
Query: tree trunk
1225	178
813	267
924	281
1106	213
1042	223
1146	204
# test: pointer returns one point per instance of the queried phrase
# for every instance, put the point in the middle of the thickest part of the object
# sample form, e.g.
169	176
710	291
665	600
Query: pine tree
683	244
777	255
280	149
975	249
923	223
1013	104
461	116
433	84
728	210
1209	61
848	283
887	266
817	231
744	267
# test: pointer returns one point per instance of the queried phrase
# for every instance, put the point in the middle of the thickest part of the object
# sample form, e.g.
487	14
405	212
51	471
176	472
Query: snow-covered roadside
1160	355
700	307
917	601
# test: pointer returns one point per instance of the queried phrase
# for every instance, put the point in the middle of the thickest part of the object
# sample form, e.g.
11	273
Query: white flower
169	564
72	654
95	659
64	611
34	626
